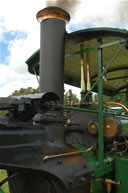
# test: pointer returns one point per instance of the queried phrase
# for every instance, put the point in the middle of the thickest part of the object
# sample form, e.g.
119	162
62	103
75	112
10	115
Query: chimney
53	21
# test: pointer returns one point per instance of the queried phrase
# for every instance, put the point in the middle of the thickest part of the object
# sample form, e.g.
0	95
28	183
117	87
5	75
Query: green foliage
24	91
30	90
120	98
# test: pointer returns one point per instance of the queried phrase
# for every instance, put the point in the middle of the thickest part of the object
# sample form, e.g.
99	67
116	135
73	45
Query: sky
20	33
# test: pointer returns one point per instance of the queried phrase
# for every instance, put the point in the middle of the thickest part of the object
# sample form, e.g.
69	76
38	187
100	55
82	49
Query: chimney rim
53	12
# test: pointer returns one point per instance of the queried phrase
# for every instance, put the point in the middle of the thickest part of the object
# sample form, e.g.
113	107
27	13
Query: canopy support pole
88	71
105	70
82	62
100	107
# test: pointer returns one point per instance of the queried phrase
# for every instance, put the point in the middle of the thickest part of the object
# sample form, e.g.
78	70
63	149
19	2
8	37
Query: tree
22	91
120	98
25	91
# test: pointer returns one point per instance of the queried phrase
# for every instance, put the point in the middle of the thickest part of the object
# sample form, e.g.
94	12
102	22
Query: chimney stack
53	21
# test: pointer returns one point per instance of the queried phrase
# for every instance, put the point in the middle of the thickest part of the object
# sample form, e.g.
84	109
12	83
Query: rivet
70	182
93	175
59	162
83	179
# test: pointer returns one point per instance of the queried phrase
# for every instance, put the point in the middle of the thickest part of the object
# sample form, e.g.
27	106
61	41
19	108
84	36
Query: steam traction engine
47	147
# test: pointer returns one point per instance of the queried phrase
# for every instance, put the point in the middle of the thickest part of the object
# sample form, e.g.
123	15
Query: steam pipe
113	103
53	22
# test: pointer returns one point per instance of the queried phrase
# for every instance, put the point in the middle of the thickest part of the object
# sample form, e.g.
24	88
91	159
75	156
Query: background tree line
121	98
30	90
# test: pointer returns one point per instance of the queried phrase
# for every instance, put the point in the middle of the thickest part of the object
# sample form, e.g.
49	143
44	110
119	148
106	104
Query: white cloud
98	13
6	74
75	90
7	90
11	80
20	16
21	49
18	20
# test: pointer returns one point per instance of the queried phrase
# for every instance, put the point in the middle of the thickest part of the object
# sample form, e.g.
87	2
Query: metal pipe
88	71
68	154
105	70
114	103
53	22
82	62
72	108
100	107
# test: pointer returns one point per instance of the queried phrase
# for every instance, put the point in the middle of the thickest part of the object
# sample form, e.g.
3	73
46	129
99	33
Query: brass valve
69	97
116	143
109	183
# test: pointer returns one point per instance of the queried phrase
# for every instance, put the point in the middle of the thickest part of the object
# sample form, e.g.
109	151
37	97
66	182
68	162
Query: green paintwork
78	109
121	172
81	51
100	106
124	125
83	109
105	70
100	172
97	186
111	38
101	32
94	163
1	191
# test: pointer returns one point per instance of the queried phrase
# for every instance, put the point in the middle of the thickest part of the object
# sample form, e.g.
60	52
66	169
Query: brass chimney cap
53	12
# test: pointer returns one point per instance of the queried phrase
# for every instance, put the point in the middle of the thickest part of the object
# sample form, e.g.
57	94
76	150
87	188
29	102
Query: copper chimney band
53	12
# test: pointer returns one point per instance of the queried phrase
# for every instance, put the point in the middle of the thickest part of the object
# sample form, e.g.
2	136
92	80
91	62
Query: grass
3	175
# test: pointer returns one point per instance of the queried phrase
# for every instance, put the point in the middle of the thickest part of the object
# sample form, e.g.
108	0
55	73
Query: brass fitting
109	183
93	127
69	97
116	143
68	154
109	158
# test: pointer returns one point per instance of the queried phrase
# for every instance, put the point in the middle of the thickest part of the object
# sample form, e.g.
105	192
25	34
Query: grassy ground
3	175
